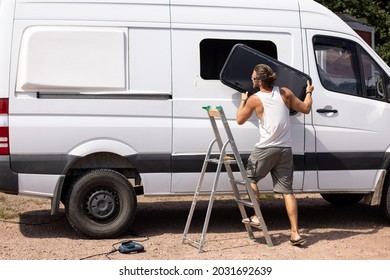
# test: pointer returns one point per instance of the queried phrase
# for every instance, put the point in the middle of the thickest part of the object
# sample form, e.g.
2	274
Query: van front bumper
8	179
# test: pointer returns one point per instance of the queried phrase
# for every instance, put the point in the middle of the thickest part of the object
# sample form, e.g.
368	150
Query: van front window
336	69
345	67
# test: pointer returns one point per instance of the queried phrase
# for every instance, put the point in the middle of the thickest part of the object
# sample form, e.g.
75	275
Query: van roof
316	16
284	14
256	4
229	13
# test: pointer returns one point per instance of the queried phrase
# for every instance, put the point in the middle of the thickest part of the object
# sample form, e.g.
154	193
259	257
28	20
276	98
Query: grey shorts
278	161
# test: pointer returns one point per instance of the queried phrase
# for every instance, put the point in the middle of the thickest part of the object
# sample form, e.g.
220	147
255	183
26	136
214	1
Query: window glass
214	52
373	78
335	67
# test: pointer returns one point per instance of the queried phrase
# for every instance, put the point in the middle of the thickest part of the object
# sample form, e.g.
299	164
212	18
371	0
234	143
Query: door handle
322	111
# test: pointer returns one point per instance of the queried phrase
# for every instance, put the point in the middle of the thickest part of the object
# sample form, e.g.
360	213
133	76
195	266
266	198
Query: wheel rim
101	204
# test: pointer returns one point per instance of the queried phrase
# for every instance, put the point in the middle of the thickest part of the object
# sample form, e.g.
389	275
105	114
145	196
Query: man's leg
256	191
257	195
292	212
253	219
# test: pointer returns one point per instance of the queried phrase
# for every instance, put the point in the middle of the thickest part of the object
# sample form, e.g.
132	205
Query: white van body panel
95	146
141	12
157	183
6	18
234	15
155	75
100	57
68	132
314	16
38	184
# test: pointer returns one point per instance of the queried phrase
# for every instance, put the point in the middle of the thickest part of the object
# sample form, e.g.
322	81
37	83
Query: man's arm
298	105
246	108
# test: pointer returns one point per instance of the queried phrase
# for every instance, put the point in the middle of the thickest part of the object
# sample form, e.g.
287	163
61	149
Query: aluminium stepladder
225	160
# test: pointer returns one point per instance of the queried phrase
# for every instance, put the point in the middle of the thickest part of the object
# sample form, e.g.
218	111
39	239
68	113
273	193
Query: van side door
198	54
349	111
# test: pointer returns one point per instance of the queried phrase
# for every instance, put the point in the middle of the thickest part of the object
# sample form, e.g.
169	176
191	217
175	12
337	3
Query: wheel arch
375	198
103	160
96	160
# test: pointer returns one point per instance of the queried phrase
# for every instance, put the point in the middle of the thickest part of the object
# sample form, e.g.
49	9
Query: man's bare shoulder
253	100
286	91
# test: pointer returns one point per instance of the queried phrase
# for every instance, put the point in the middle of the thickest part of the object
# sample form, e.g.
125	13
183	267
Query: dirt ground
359	232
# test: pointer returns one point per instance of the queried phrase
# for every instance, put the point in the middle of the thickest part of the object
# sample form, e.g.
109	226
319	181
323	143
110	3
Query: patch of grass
11	206
6	210
7	215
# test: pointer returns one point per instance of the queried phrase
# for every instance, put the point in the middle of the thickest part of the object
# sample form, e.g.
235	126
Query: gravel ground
359	232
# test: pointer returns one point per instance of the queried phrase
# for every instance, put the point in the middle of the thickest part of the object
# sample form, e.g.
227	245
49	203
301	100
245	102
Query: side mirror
388	92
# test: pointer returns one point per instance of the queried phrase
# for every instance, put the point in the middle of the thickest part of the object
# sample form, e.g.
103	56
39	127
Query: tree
373	12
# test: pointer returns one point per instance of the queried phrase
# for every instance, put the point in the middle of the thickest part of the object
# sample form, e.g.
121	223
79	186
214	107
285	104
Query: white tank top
274	126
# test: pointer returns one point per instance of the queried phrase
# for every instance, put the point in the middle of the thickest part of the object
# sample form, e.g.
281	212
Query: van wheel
385	201
101	204
342	199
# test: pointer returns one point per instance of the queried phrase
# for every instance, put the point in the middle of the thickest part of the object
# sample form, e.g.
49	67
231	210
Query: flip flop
298	242
250	221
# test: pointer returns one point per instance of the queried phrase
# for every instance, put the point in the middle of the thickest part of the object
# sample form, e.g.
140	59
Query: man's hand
244	96
309	88
247	106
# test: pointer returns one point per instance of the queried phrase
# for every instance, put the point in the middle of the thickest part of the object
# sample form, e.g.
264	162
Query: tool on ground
130	247
222	159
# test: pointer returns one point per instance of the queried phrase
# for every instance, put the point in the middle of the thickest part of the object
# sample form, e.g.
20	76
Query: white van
97	94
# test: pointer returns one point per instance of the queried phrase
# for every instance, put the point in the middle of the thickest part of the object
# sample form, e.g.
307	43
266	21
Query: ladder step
216	161
256	226
245	202
238	182
185	239
213	160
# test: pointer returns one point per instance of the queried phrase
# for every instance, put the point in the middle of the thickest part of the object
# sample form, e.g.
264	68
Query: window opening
214	52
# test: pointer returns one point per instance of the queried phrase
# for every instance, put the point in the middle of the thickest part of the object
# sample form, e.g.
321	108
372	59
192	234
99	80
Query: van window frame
385	81
219	50
357	65
337	43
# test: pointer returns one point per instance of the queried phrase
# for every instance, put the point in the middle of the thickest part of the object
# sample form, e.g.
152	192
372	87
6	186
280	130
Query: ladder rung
197	243
256	226
216	160
238	182
245	202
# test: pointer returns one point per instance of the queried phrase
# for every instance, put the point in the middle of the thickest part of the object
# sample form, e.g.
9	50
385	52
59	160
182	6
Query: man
273	152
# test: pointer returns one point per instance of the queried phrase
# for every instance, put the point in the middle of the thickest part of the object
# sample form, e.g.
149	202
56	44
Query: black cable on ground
32	224
114	249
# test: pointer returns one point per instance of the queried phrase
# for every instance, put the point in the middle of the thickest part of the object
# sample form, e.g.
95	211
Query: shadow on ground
156	218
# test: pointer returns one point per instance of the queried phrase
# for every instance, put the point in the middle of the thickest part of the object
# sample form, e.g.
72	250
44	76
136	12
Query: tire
385	201
342	199
101	204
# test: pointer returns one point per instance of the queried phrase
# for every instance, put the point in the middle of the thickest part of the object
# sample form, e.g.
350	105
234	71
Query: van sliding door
198	57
